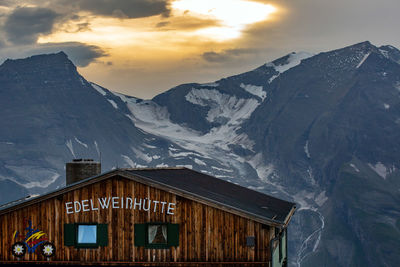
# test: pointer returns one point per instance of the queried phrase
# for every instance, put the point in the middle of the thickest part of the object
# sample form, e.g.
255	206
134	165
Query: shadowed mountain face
321	130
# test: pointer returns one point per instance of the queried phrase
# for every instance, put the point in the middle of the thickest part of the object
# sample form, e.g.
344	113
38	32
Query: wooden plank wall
207	234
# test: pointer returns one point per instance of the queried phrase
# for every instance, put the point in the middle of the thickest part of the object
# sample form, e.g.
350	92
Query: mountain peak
45	59
56	62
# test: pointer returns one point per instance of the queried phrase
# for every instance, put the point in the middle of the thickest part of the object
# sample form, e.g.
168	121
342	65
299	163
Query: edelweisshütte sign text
96	204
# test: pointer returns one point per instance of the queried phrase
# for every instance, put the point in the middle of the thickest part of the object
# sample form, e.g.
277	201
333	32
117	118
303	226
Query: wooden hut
147	217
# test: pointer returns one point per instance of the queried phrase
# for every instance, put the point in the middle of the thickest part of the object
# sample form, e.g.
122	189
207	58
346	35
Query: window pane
87	234
157	234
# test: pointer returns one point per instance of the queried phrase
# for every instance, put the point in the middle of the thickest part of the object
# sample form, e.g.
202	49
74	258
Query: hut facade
148	217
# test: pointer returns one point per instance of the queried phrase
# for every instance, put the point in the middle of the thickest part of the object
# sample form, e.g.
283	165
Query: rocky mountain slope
321	130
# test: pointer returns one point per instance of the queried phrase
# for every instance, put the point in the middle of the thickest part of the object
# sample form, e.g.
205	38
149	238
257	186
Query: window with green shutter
86	235
157	235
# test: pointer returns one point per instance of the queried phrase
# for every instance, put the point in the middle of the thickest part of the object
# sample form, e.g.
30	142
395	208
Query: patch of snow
222	176
254	90
129	161
124	98
273	78
149	146
142	155
386	106
82	81
199	162
70	147
42	183
215	84
384	53
380	169
363	60
80	142
221	169
156	157
222	105
311	175
8	143
293	60
321	199
354	167
98	89
183	154
30	174
162	165
154	119
263	170
112	102
97	148
256	187
306	150
185	166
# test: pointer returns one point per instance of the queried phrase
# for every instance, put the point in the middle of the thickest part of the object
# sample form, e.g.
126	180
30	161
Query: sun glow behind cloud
229	17
160	43
232	15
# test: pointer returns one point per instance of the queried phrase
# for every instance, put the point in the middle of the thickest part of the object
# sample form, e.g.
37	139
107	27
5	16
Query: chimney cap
82	160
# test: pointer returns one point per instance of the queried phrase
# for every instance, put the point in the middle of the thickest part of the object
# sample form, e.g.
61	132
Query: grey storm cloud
121	8
79	53
25	24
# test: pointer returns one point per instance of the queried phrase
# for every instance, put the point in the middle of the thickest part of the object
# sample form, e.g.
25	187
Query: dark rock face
50	114
321	130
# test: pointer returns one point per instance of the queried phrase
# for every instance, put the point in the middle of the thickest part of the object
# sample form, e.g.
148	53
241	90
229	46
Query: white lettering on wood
68	208
144	204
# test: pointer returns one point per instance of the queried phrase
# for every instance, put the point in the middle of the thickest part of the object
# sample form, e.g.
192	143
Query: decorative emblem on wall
33	239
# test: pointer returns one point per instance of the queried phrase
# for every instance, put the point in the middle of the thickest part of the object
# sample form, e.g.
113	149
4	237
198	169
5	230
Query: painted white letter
170	208
103	203
69	208
91	204
163	204
144	204
155	204
77	203
85	205
128	200
115	202
138	204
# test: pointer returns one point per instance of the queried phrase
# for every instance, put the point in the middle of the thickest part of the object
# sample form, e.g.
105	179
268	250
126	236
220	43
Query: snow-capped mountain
321	130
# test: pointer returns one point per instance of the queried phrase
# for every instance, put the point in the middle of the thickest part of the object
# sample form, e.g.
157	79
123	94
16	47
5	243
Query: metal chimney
80	169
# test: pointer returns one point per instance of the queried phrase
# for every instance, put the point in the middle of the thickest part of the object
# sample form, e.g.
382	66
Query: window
85	235
250	241
157	235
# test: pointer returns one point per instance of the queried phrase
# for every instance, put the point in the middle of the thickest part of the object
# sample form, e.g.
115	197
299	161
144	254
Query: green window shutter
140	234
102	235
173	235
69	234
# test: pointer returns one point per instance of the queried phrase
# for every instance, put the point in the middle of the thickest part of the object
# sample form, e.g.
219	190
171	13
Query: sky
145	47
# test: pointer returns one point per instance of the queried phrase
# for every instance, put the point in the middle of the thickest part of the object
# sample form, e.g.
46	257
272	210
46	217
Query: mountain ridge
320	130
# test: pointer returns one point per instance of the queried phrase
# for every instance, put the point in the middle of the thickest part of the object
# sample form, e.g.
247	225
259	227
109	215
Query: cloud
79	53
121	8
162	24
25	24
228	54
